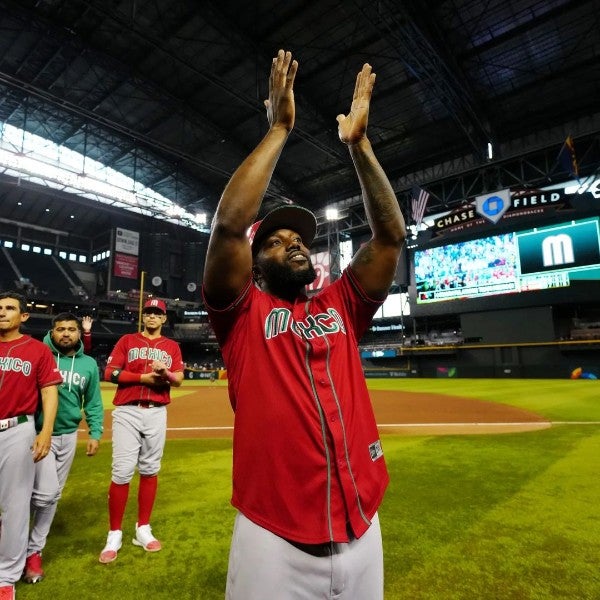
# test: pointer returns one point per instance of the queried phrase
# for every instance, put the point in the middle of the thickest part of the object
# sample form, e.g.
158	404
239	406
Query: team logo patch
375	450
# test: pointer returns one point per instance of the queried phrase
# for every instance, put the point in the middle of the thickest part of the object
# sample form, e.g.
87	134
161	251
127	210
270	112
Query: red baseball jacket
307	459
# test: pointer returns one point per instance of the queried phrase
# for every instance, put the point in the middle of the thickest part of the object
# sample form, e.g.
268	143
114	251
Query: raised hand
353	126
86	323
281	109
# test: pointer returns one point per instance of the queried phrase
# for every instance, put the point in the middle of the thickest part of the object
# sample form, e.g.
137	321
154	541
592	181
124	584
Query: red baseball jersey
26	366
135	353
307	459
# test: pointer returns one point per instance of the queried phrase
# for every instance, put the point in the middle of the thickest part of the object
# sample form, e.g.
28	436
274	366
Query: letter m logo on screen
574	245
557	250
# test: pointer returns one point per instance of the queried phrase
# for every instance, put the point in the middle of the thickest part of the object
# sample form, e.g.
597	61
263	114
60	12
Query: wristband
119	376
171	377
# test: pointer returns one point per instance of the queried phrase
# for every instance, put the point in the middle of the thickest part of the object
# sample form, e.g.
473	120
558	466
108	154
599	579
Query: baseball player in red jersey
27	373
144	366
308	466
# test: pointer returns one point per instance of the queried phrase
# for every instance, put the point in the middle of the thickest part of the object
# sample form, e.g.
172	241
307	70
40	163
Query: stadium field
512	514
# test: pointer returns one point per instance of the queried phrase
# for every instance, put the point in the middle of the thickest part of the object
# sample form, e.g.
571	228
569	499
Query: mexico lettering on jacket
73	378
9	363
279	321
145	353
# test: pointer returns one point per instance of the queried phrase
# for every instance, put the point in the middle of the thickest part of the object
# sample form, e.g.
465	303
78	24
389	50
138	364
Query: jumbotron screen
543	258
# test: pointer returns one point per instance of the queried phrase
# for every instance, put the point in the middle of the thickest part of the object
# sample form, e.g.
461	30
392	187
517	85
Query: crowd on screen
467	264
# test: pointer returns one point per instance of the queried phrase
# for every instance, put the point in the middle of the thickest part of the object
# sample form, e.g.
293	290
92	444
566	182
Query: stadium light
332	214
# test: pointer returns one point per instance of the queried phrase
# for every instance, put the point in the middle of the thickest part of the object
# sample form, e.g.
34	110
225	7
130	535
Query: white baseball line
468	424
383	425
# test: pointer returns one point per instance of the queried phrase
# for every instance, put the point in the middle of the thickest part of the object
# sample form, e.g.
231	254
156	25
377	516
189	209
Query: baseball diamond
204	411
331	274
457	520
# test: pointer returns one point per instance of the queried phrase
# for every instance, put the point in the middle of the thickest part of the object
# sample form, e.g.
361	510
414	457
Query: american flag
419	202
567	158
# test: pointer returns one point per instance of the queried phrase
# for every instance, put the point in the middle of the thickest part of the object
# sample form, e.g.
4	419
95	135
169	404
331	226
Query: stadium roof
171	94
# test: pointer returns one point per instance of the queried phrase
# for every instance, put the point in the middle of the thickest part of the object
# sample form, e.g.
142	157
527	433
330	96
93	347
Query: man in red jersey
144	366
308	467
27	372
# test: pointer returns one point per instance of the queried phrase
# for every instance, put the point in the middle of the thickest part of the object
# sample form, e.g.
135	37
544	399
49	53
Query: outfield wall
536	360
205	374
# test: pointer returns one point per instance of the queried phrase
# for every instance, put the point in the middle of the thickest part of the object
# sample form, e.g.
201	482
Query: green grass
507	516
556	399
192	517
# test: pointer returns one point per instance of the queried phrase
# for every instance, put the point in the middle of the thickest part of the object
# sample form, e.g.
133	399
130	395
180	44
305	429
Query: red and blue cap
299	219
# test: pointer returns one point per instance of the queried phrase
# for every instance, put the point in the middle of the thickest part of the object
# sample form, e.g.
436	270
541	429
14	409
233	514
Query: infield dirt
204	411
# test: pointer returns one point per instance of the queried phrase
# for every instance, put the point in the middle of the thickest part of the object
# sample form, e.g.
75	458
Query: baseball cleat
145	539
33	572
113	544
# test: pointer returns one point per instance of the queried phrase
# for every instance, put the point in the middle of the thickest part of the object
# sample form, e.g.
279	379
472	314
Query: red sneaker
7	592
33	568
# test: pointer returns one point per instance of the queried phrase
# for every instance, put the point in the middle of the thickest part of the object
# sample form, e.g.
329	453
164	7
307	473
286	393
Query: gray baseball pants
16	484
264	566
50	478
138	439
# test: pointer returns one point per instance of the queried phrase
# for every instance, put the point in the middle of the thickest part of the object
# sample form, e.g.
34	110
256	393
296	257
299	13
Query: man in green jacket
79	392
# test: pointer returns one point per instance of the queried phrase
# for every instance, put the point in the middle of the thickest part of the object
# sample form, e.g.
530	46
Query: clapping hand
353	126
281	109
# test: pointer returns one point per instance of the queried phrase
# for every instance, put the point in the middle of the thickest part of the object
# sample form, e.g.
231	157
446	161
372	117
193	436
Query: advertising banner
127	241
125	266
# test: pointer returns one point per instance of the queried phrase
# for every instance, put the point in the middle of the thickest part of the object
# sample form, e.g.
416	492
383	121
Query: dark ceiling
171	93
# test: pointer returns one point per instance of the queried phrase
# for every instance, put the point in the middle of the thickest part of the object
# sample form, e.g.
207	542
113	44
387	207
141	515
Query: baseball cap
297	218
155	304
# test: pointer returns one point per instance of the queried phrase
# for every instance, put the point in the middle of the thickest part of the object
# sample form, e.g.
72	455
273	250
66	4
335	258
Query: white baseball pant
16	485
138	439
264	566
50	478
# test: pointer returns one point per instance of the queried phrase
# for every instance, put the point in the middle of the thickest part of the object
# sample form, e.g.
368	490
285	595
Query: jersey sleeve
118	356
359	306
223	320
47	372
87	341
